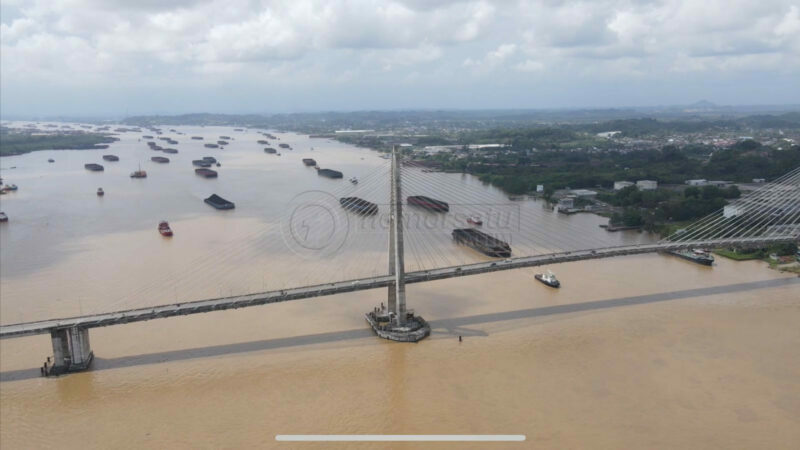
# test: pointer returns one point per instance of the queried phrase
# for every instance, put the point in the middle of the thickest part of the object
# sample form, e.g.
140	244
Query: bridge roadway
241	301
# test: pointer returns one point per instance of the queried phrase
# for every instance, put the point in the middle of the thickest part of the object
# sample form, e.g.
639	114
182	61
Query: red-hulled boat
475	220
164	228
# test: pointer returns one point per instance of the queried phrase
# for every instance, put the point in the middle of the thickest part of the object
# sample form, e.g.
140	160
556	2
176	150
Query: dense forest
16	143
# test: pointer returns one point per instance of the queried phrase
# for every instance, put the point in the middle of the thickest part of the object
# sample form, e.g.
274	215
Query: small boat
139	173
207	173
475	220
11	187
218	202
94	167
111	157
548	278
3	217
219	165
164	229
354	180
51	160
100	192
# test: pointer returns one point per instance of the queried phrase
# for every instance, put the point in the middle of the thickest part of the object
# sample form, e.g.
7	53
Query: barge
211	145
94	167
330	173
309	162
218	202
207	173
696	255
201	163
358	205
111	157
270	150
159	159
170	150
482	242
428	203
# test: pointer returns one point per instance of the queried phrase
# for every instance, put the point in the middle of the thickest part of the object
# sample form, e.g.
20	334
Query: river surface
646	351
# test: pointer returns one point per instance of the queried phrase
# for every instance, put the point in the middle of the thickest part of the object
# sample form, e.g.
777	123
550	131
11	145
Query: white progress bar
400	437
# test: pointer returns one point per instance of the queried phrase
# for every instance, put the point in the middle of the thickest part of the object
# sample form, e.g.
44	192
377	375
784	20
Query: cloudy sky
117	57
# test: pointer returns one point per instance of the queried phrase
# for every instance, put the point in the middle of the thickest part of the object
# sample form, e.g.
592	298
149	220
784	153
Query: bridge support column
71	350
394	321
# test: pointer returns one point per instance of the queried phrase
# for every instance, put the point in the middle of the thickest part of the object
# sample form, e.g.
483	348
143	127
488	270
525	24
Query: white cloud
146	42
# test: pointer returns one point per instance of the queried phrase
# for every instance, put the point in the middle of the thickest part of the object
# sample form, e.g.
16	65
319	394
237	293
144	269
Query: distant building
539	188
621	185
566	203
608	134
584	193
759	180
719	183
699	182
647	185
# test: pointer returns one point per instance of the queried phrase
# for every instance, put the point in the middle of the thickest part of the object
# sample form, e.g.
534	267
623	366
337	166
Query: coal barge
695	255
358	205
94	167
309	162
482	242
159	159
428	203
207	173
330	173
111	157
270	150
218	202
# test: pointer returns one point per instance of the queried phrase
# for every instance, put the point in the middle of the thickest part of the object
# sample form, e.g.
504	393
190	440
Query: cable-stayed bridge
319	226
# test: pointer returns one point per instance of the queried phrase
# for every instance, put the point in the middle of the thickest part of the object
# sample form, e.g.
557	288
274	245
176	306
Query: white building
647	185
539	188
584	193
621	185
700	182
566	203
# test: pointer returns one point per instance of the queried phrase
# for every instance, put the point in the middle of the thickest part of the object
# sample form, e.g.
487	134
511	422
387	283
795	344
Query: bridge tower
393	321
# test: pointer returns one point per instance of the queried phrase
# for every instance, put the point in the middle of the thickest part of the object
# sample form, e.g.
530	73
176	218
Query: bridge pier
71	351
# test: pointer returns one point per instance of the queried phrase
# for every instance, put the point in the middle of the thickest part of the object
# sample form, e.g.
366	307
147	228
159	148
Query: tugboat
139	173
354	180
3	217
11	187
100	192
696	255
548	278
164	228
475	220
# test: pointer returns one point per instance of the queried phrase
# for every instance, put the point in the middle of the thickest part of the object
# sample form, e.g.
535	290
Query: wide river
646	351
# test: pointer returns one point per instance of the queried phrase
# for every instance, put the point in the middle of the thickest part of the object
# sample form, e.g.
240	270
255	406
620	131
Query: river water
644	351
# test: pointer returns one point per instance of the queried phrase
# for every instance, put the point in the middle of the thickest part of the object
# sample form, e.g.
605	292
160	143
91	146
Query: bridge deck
241	301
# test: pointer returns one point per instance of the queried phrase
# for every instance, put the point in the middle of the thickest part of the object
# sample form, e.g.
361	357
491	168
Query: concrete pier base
386	325
71	351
